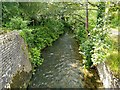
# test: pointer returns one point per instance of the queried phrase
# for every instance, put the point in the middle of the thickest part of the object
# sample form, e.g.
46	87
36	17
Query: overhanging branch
94	5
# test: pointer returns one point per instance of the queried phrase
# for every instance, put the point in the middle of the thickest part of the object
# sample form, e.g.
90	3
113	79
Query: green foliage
92	20
16	23
114	8
19	16
48	21
113	60
94	48
80	34
113	57
9	10
35	57
38	37
101	14
28	36
85	49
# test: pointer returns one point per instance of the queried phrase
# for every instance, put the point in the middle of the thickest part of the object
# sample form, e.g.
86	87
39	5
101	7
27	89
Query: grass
113	60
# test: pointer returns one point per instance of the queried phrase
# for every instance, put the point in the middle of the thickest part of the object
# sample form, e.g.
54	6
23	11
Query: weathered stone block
13	57
106	76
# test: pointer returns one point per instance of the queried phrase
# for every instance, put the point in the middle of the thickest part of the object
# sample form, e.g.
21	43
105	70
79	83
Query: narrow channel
61	67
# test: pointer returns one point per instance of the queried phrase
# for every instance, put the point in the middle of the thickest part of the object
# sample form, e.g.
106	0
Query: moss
4	30
21	80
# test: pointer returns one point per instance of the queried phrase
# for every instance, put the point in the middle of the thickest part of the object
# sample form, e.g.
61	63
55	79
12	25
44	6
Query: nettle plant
101	45
95	48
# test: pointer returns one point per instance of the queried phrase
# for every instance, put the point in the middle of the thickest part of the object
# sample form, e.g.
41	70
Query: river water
61	66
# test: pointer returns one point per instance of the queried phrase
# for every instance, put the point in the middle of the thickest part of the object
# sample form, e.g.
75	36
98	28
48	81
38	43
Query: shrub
16	23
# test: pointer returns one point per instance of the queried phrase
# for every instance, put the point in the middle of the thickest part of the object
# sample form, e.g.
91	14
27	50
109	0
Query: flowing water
61	66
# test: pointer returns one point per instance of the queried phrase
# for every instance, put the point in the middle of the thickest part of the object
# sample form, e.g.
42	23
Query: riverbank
63	68
60	68
109	71
113	60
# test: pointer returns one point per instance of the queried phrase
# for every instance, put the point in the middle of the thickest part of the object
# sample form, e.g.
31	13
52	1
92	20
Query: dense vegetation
41	23
37	33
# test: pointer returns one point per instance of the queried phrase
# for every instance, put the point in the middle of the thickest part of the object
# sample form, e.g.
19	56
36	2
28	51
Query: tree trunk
86	25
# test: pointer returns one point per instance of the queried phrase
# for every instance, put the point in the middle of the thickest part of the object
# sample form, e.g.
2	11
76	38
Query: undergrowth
113	59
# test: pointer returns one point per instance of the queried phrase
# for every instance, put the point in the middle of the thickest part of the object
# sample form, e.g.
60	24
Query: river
62	66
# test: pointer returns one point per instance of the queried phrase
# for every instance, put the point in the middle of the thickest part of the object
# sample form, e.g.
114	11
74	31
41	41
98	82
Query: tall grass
113	60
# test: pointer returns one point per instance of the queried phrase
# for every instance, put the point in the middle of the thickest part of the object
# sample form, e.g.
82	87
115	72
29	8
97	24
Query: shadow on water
62	66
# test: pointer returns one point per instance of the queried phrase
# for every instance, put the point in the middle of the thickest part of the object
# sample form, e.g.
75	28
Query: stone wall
106	76
13	57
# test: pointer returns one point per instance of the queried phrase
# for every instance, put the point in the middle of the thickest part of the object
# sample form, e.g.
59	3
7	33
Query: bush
16	23
38	37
